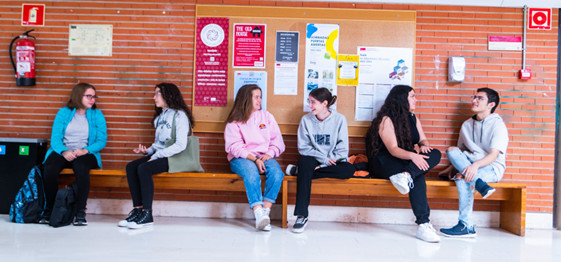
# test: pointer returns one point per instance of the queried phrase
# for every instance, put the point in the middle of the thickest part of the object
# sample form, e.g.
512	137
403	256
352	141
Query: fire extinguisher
25	58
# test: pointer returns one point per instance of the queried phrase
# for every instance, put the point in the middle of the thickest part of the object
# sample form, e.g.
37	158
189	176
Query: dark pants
141	184
306	173
384	165
81	166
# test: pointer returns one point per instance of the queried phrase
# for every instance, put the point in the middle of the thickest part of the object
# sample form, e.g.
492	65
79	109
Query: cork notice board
380	28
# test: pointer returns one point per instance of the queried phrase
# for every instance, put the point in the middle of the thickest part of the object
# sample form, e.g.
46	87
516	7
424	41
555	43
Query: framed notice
249	45
90	40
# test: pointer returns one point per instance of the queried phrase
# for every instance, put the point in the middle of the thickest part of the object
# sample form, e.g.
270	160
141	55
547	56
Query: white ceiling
495	3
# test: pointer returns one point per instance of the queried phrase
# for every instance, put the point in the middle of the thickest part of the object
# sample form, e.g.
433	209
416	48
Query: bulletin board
378	28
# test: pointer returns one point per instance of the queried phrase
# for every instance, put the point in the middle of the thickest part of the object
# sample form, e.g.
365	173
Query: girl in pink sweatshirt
253	140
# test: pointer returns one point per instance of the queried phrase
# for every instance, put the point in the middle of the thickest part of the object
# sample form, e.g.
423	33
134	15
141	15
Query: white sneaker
261	219
268	227
402	182
291	170
427	233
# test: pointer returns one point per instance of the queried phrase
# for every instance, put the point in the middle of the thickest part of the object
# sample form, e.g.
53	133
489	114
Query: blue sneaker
483	188
459	230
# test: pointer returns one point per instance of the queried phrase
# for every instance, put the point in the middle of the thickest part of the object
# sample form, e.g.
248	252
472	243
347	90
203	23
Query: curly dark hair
396	107
174	100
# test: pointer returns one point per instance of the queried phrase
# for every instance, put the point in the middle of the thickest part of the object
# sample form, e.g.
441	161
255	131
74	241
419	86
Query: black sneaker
132	216
291	170
483	188
80	219
44	219
300	224
142	220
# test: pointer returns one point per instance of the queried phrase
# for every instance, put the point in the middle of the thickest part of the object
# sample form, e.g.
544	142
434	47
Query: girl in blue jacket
79	133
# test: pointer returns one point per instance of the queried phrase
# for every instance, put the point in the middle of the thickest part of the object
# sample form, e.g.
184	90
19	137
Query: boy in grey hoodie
479	157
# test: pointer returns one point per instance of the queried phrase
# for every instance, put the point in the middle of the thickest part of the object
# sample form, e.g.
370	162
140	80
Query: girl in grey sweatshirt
323	142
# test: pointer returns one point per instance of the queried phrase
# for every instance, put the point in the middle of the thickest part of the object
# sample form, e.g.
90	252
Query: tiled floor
196	239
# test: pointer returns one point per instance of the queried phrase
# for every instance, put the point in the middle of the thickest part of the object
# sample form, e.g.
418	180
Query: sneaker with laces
402	182
261	218
427	233
300	224
267	213
143	219
291	170
483	188
80	219
459	230
132	216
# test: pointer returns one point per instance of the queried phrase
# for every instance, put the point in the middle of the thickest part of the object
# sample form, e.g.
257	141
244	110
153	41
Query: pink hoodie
258	136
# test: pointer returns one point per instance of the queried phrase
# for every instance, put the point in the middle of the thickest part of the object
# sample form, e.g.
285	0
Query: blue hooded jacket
97	132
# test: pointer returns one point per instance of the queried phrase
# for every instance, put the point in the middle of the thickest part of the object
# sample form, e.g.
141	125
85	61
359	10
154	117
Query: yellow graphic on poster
347	70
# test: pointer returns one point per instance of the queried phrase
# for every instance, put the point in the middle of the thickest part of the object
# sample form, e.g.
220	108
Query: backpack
64	209
29	203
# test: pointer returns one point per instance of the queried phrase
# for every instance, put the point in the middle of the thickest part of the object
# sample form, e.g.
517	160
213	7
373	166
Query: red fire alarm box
525	74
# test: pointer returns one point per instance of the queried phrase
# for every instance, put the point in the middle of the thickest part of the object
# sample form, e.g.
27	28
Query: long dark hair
396	107
243	105
171	94
77	94
323	94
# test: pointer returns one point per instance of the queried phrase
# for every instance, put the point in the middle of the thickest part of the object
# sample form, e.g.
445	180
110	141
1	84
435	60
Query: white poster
259	78
381	68
90	40
322	46
286	78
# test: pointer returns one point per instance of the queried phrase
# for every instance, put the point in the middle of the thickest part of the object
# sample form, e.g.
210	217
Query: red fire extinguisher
25	58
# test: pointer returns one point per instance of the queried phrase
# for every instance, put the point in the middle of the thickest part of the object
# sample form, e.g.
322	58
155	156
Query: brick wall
153	42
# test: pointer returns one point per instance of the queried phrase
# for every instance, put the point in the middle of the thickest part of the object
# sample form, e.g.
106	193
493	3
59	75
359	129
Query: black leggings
141	184
384	165
81	166
306	173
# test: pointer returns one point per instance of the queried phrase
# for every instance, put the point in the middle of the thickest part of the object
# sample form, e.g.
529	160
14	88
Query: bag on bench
187	160
64	209
29	204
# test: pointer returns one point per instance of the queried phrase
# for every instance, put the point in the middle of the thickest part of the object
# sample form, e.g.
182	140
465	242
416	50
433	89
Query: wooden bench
185	181
512	197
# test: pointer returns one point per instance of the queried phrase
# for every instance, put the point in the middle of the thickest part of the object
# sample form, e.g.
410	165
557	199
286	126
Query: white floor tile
199	239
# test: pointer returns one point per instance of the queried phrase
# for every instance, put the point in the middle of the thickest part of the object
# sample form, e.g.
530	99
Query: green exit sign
23	150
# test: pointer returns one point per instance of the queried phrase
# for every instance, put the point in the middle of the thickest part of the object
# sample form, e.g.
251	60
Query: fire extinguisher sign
33	15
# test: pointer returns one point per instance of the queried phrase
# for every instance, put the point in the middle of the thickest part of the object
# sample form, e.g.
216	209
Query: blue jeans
465	193
252	180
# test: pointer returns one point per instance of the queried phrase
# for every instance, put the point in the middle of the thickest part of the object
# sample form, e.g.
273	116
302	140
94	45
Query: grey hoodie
478	137
163	125
324	140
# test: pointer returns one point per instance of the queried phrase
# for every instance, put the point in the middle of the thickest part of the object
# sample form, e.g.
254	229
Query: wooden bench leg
513	212
284	203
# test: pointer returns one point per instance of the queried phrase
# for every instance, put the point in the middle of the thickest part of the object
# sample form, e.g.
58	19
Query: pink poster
249	45
211	68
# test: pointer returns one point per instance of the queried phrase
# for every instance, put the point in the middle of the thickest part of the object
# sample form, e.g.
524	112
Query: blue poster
259	78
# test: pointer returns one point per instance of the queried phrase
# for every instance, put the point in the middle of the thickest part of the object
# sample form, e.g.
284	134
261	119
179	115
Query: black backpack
64	209
29	204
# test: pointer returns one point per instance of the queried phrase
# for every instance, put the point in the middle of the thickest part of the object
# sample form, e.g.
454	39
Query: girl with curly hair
170	107
390	146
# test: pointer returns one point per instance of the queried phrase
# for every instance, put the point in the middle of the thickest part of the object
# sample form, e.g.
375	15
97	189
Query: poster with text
286	78
249	45
211	67
381	68
347	70
322	46
287	46
258	78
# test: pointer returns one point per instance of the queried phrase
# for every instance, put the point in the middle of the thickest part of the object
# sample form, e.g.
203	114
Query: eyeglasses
90	97
479	98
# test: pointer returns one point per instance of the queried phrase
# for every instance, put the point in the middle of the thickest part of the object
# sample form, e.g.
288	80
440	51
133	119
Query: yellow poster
347	70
